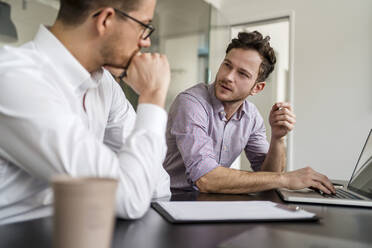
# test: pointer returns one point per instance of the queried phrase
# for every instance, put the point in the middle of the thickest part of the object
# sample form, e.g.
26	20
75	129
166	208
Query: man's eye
243	74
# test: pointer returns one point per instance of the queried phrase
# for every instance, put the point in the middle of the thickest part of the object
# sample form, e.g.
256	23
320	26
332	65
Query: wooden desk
350	224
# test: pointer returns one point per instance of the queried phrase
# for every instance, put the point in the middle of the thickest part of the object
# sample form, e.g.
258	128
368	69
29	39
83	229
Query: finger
288	126
284	118
325	181
277	106
320	187
286	105
283	111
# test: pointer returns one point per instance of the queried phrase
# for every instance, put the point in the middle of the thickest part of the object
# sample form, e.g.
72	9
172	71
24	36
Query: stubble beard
237	99
109	54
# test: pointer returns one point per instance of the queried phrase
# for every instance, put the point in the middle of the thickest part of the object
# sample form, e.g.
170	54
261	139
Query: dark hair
74	12
254	40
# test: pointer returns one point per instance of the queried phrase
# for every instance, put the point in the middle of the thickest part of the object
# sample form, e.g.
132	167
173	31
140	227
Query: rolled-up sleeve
257	146
189	126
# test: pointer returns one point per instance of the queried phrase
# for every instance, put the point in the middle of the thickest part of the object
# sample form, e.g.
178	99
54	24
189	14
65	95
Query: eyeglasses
149	29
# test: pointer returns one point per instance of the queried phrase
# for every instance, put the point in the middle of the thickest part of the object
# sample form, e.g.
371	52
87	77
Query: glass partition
182	33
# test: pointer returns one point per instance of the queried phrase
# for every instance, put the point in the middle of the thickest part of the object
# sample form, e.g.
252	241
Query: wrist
156	97
282	180
277	140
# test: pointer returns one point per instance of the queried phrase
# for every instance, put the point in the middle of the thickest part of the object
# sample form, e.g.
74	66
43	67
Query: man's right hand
149	75
305	178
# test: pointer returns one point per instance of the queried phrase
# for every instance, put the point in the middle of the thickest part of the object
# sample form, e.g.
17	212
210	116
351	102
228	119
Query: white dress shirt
47	127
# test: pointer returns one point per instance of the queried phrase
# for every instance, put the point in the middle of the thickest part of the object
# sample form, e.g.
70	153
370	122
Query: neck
78	43
231	108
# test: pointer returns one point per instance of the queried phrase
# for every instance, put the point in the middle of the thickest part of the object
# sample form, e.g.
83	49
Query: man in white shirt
61	112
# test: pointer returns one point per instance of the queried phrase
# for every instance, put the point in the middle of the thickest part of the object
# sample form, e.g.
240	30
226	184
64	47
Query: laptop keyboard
342	194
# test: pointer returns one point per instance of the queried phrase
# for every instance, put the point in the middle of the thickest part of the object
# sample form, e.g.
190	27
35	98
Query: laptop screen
361	181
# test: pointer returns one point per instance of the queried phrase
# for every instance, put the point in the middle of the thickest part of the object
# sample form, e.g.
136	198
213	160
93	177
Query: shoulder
251	110
22	62
197	94
255	119
25	79
25	55
24	68
192	102
199	91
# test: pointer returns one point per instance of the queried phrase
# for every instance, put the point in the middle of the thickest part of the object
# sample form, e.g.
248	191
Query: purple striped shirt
200	138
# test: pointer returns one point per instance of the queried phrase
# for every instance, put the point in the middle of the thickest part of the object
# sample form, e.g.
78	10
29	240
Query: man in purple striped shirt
210	125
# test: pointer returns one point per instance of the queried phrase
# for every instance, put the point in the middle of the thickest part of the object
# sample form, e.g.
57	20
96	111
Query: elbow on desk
204	185
132	213
132	210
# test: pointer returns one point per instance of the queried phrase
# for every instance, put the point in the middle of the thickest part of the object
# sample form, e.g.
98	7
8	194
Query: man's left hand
282	120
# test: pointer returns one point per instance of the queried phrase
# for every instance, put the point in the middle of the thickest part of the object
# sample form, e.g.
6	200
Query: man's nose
229	76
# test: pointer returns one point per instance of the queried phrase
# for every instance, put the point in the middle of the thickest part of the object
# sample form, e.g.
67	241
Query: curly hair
74	12
254	40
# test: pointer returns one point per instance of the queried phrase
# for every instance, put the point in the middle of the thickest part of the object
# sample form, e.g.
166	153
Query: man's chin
223	97
228	97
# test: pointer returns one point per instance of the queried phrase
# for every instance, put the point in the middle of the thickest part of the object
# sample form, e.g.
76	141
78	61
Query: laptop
358	191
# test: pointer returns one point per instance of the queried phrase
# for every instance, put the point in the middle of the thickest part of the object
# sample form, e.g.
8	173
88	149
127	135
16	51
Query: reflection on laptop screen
361	181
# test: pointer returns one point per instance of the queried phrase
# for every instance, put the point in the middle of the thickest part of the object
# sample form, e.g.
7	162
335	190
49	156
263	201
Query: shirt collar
243	110
65	63
220	110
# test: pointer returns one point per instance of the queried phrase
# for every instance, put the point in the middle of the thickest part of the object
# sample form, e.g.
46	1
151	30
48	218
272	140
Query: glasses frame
146	26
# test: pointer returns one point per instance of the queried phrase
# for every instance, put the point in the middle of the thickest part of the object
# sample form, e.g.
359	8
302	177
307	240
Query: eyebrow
240	68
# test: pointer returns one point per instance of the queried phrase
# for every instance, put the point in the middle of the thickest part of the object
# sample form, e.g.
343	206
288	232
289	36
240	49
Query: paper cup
84	212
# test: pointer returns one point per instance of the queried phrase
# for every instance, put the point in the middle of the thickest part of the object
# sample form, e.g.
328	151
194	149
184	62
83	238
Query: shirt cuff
151	117
202	168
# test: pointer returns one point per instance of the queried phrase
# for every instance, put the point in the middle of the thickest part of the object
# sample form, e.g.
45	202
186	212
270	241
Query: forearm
275	160
142	175
231	181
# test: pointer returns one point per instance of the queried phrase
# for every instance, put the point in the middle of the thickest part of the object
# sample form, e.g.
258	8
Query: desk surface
348	224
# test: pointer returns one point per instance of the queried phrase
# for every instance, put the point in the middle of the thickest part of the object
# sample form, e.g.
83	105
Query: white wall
332	76
182	53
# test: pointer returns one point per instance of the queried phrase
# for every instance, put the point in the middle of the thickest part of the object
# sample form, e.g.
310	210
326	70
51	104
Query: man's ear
104	20
257	88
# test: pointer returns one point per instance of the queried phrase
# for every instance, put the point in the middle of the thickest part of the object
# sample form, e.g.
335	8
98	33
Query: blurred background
324	68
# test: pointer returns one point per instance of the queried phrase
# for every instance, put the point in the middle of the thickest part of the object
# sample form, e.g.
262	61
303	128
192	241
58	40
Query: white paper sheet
231	210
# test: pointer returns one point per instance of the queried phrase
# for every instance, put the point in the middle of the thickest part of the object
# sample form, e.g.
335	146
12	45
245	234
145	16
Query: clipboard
230	211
